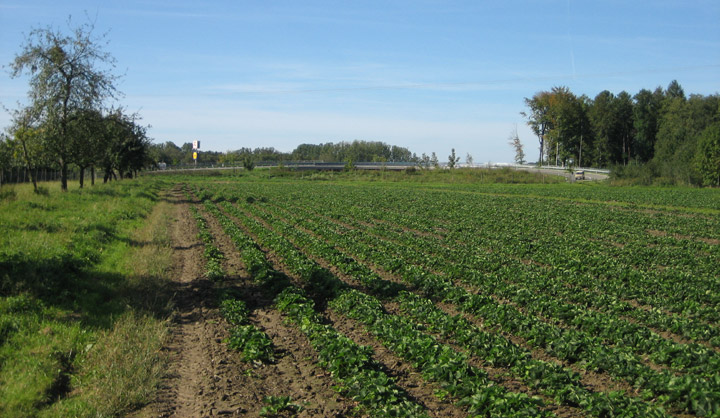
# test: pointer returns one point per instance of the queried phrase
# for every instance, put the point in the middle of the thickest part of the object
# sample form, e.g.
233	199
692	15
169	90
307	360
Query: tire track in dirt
201	380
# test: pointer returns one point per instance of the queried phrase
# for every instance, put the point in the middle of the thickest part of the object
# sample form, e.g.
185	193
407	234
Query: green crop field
494	300
560	288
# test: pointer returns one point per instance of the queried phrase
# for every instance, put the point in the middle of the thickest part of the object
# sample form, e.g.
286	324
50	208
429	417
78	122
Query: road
589	175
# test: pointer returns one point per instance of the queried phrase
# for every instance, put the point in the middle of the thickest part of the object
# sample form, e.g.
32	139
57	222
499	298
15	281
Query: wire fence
18	175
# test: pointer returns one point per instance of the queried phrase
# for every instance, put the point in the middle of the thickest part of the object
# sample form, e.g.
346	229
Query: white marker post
196	148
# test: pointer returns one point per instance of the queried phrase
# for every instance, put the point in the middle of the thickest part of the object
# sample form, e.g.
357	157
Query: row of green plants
554	380
689	383
251	342
685	391
565	235
558	283
563	384
547	295
496	234
690	199
213	255
351	365
438	362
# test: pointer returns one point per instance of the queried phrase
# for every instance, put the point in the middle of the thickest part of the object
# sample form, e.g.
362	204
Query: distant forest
354	151
653	137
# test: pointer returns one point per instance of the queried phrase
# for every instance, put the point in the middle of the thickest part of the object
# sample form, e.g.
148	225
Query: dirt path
201	379
205	378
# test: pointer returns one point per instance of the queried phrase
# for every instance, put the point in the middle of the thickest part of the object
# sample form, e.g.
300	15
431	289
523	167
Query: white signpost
196	148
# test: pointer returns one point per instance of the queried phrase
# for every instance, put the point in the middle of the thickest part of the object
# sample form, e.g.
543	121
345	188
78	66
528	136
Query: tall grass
82	298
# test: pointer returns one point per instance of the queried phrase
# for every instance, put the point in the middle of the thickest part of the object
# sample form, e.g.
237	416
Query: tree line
67	121
660	136
345	151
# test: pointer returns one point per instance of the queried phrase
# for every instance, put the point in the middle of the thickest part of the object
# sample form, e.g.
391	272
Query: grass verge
83	305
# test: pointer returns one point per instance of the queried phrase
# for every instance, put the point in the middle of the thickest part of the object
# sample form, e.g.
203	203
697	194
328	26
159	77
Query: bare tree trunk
541	151
28	167
92	175
33	179
63	175
82	176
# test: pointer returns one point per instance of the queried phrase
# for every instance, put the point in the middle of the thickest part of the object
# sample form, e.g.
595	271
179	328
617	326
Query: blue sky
426	75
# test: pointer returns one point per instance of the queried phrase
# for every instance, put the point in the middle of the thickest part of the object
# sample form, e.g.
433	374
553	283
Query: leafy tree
356	151
539	118
661	131
268	154
606	124
514	141
469	160
64	79
187	151
674	91
708	155
570	126
248	162
623	108
87	142
434	160
27	143
646	111
400	154
601	119
6	156
127	146
424	161
453	159
168	153
673	127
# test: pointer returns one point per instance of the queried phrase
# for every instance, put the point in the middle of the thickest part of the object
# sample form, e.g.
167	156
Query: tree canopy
661	129
67	119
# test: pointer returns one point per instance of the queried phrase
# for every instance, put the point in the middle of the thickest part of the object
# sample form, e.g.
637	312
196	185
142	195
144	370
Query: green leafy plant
235	311
275	405
254	344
